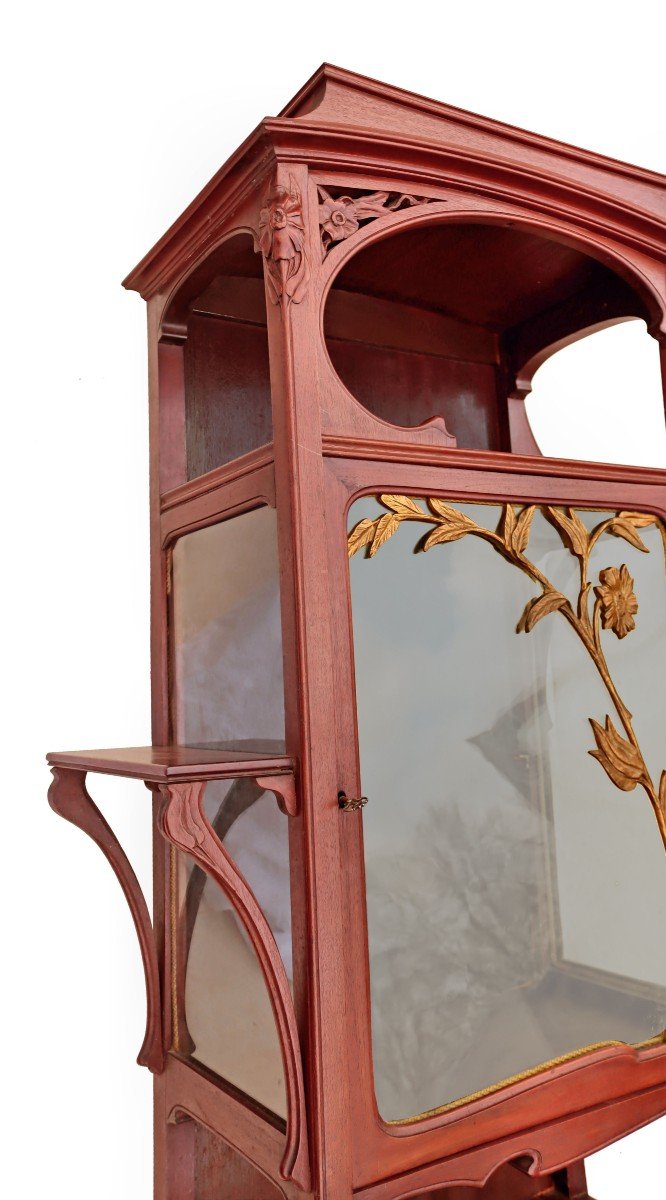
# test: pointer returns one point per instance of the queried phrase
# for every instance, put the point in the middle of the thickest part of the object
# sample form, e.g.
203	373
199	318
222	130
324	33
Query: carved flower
281	237
338	218
618	602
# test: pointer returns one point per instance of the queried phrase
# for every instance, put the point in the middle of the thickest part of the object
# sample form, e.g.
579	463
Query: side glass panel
228	693
229	1024
227	640
516	883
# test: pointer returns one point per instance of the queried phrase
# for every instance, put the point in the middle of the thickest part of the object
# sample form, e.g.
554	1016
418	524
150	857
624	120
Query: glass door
511	695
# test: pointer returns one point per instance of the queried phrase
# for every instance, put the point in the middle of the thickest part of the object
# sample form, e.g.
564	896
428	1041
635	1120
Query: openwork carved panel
341	215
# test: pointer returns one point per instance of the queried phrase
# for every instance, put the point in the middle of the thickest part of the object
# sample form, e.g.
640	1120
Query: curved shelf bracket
69	798
283	788
184	823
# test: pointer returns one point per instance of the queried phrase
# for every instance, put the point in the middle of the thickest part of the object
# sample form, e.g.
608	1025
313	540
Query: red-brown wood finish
68	796
507	246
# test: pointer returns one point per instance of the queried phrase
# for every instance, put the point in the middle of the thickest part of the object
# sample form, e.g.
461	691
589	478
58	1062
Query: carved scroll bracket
69	798
184	823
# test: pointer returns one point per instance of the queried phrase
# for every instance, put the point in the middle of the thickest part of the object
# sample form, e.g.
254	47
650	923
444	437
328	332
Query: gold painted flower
618	602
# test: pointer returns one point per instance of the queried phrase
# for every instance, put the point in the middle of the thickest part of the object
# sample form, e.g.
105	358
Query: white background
115	116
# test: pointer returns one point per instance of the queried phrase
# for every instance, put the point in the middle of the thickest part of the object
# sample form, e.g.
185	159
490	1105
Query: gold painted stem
622	760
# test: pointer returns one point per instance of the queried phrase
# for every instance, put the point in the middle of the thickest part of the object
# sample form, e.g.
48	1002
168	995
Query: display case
408	771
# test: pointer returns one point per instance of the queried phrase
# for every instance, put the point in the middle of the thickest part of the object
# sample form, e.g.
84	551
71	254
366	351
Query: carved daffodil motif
341	216
338	218
618	601
282	241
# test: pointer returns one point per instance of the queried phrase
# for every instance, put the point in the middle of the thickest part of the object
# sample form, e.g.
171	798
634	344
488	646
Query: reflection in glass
228	1013
228	693
227	640
515	895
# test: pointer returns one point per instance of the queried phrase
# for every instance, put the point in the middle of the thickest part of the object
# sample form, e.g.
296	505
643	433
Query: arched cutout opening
215	346
601	399
439	320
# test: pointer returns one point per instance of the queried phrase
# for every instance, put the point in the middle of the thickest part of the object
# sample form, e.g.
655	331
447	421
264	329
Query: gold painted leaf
444	533
404	505
621	761
662	792
540	607
360	535
386	527
451	514
570	524
507	525
626	530
521	534
639	520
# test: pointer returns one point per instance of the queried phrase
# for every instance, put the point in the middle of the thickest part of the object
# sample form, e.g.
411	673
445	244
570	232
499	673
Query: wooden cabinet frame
431	166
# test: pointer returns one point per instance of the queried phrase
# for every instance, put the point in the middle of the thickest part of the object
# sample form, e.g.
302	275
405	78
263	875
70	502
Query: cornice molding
450	114
336	144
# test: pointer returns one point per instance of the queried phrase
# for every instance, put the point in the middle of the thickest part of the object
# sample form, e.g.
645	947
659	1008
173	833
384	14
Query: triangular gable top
339	118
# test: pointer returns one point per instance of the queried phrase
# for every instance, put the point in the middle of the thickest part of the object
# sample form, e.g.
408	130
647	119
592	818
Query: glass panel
226	635
516	887
230	1026
228	693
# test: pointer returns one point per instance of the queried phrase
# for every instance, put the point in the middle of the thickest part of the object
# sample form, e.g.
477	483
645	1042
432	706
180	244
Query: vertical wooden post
293	330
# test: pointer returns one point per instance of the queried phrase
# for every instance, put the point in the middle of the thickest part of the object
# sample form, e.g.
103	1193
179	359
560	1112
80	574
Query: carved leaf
625	529
444	533
639	520
521	535
407	200
370	206
620	760
570	524
386	527
360	535
540	607
507	525
451	514
451	526
404	505
662	792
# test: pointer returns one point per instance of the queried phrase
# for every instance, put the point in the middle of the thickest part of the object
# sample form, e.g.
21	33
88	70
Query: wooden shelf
164	764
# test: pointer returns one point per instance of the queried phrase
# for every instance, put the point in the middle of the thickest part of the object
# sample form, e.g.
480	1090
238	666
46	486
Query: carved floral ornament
282	242
341	216
282	231
614	608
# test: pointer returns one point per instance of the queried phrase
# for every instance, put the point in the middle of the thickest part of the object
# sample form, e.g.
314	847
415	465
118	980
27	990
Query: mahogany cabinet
407	672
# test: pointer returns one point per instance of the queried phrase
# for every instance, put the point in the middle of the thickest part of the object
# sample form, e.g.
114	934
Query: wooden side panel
227	392
222	1172
405	388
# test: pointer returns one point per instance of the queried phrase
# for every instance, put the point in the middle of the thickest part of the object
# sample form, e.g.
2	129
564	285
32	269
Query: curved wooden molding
69	798
185	825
